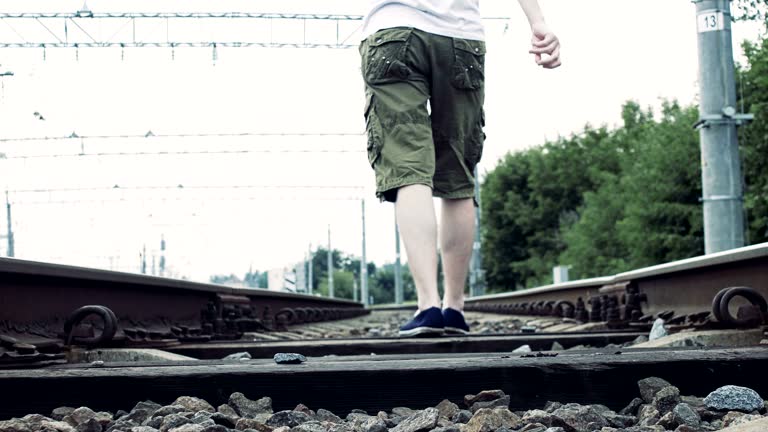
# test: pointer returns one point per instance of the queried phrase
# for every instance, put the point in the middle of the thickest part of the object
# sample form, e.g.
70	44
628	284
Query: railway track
75	336
683	292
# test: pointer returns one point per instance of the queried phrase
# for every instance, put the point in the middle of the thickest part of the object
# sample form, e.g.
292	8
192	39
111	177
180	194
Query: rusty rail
41	303
681	292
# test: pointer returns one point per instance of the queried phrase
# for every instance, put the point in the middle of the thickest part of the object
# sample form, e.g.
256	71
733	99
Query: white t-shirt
453	18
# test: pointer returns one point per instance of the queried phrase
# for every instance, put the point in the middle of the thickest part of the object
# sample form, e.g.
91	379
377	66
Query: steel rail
37	298
686	287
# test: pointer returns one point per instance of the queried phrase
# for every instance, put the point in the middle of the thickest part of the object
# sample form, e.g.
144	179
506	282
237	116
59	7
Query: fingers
546	44
545	49
550	62
548	39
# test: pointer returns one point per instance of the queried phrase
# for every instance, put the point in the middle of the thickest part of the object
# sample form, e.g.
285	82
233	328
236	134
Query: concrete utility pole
330	265
721	167
309	271
9	235
162	255
364	267
476	273
398	270
144	260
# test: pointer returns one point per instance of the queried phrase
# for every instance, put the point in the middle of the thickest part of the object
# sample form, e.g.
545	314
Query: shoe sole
455	330
418	331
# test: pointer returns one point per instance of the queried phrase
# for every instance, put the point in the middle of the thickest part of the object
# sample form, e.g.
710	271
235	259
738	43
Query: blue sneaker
426	322
454	322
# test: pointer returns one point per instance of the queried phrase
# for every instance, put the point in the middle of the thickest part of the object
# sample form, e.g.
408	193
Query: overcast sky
613	50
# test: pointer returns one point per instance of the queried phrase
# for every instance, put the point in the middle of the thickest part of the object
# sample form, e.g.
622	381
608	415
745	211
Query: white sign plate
711	20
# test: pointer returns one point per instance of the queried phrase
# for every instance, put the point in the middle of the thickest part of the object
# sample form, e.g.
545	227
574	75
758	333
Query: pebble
154	422
138	415
648	415
289	358
462	417
650	386
734	398
245	407
490	420
189	427
447	409
420	420
632	408
194	404
502	402
327	416
580	417
453	428
543	418
738	418
287	418
224	420
685	415
245	355
666	399
313	426
620	421
172	421
253	424
483	396
35	420
169	409
143	429
80	415
228	410
60	426
91	425
61	412
534	427
658	330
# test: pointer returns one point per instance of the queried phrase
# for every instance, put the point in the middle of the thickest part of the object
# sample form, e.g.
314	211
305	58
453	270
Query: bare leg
456	239
418	226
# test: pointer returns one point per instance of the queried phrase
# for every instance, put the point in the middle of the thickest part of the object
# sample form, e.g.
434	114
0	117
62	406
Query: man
416	52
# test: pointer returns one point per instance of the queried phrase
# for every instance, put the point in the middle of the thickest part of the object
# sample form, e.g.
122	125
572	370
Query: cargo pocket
473	150
469	64
384	56
373	129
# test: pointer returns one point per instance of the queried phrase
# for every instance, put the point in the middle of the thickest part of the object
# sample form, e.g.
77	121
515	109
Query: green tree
256	279
527	199
753	139
661	183
225	279
751	10
343	285
382	284
505	194
648	212
320	264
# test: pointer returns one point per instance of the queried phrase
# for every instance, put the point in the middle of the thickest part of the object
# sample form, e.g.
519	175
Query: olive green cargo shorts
403	69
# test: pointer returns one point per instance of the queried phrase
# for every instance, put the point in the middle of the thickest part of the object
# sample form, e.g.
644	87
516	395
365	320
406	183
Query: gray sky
613	50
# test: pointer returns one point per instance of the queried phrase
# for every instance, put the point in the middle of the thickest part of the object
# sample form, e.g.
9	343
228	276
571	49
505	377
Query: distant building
290	279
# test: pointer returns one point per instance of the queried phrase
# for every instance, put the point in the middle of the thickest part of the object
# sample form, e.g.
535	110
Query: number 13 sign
711	20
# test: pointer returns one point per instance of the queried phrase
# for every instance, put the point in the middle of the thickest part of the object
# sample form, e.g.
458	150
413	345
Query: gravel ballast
659	407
